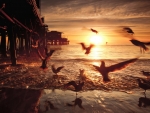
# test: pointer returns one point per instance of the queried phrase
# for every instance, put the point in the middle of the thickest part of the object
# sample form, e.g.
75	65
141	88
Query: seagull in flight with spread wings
44	59
106	70
87	49
77	87
56	70
93	30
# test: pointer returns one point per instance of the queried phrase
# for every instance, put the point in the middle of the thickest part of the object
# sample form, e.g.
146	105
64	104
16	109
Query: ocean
73	59
121	94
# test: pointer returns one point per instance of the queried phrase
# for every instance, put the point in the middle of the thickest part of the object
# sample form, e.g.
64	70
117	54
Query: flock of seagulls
102	69
135	42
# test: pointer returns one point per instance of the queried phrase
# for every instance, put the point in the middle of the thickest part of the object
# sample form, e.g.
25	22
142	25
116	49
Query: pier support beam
3	43
12	38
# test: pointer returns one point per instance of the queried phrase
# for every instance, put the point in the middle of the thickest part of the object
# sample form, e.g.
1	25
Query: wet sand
34	90
61	101
95	101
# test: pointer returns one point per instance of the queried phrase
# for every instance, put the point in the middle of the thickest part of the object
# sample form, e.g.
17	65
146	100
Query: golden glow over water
96	39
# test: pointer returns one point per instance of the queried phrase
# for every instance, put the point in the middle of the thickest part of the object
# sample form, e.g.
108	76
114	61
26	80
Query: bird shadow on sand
144	102
77	101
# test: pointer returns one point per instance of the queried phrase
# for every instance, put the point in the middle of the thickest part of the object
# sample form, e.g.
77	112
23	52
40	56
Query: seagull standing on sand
56	70
105	70
137	42
143	85
93	30
78	87
87	49
44	59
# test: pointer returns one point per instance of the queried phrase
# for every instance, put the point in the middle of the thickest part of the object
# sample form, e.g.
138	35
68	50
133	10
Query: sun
96	39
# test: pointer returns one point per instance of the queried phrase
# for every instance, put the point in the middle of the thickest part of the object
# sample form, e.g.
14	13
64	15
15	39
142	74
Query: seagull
143	85
87	49
56	70
44	60
142	45
146	73
129	30
105	70
78	87
93	30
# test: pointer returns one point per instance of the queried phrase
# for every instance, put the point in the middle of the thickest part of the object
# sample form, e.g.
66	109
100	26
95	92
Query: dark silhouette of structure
21	22
55	38
106	70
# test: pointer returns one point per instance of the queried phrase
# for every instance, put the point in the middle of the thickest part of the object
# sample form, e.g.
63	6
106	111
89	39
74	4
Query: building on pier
55	38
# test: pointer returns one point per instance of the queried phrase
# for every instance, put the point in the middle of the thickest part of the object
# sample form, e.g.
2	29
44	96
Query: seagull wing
146	43
96	67
129	30
39	54
59	68
83	46
50	53
121	65
73	83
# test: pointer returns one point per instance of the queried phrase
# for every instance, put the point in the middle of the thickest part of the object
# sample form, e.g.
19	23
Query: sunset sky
75	18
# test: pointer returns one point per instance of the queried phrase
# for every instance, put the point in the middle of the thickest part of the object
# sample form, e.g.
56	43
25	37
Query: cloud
104	15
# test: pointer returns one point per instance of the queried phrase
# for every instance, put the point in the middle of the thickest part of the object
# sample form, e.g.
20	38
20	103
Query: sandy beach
95	101
28	89
61	101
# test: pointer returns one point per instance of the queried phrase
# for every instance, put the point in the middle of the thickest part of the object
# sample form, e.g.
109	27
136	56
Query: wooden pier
55	38
21	25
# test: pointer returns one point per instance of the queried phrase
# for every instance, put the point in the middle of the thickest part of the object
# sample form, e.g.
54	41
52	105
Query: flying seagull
44	59
93	30
129	30
87	49
105	70
77	87
142	45
56	70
